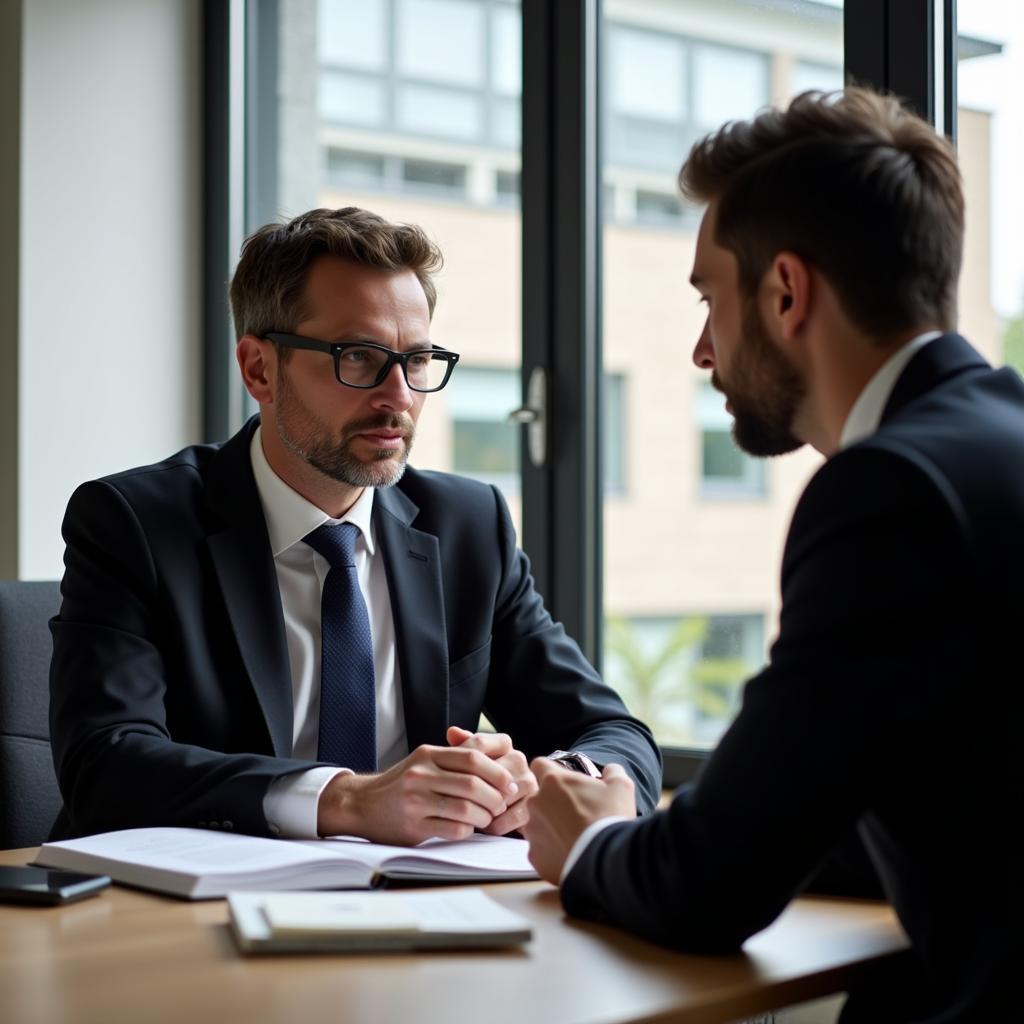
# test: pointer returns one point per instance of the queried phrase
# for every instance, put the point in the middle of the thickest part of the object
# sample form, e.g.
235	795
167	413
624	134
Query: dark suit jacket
171	699
892	701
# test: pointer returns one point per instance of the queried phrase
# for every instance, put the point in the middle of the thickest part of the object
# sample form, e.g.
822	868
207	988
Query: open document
201	864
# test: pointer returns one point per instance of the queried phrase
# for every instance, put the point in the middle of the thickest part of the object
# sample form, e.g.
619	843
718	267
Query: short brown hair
853	183
269	286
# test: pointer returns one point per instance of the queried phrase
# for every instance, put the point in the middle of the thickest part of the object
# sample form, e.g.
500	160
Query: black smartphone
42	886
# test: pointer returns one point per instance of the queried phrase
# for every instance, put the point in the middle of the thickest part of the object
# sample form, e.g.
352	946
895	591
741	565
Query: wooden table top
132	956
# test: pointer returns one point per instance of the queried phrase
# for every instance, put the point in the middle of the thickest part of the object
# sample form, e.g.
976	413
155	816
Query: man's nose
703	353
393	391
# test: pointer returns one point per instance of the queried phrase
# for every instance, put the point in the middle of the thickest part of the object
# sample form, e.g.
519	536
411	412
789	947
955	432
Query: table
133	956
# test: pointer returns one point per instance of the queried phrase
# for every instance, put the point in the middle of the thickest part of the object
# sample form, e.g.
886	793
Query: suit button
229	825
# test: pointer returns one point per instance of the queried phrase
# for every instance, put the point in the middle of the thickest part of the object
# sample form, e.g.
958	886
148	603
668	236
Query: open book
202	864
275	922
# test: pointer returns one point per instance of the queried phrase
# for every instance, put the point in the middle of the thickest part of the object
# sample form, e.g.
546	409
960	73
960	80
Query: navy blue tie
348	697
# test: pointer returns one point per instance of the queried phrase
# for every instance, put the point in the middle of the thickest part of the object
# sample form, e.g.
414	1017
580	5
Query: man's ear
786	296
255	359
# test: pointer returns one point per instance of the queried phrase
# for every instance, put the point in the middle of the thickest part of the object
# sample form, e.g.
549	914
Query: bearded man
294	633
829	257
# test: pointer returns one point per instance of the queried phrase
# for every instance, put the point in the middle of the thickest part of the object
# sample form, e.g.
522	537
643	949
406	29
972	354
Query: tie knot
337	543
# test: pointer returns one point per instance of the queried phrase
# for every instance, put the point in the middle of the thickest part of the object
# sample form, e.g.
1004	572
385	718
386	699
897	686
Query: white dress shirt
862	421
290	804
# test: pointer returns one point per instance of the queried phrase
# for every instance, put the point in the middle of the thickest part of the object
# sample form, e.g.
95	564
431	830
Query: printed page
478	856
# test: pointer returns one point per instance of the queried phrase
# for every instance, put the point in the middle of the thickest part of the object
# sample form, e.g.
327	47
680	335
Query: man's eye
419	361
354	355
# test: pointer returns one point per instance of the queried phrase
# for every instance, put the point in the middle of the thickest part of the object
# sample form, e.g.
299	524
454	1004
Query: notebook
276	922
203	864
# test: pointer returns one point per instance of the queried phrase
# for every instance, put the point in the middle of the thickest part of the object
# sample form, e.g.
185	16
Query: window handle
534	416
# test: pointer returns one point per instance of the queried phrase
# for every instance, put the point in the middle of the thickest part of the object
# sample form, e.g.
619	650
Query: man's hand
566	803
435	791
498	747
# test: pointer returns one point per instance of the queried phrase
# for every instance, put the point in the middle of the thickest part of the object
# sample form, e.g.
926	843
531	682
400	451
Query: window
486	445
725	471
358	169
439	69
671	549
683	676
991	149
666	88
434	176
728	83
692	545
658	207
807	75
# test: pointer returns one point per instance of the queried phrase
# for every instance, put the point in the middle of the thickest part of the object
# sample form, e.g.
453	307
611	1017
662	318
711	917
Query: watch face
578	763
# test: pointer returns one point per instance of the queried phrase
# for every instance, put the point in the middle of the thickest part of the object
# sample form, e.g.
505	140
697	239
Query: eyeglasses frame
336	348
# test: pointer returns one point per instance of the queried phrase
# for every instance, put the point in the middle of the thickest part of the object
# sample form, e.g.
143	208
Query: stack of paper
267	922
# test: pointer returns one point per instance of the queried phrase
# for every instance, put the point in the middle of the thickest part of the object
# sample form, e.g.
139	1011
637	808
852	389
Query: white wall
109	250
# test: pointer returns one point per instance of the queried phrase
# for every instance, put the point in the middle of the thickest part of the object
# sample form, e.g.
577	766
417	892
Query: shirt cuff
291	803
584	840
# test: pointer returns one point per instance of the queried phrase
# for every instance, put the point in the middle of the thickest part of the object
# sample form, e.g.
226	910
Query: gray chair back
29	798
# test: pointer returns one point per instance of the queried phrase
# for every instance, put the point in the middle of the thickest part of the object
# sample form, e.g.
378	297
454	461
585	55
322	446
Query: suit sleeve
116	761
874	577
545	693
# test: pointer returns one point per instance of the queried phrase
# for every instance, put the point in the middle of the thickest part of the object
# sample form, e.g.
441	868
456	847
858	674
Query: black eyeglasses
364	364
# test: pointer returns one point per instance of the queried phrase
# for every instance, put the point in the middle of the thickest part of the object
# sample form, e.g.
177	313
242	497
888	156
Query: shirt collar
290	517
866	414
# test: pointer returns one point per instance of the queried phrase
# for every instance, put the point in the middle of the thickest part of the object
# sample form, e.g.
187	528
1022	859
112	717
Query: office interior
537	143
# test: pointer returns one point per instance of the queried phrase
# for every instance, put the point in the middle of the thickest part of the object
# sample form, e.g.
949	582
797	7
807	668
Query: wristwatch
576	762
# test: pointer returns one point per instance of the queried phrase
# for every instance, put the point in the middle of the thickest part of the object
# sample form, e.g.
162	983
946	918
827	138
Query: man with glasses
295	634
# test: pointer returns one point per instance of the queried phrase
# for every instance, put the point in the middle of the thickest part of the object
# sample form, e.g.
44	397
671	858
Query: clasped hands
480	782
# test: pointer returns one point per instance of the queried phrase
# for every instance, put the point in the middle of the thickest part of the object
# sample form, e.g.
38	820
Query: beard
764	391
333	455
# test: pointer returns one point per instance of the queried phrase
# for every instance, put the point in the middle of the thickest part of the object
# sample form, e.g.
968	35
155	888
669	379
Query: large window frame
906	46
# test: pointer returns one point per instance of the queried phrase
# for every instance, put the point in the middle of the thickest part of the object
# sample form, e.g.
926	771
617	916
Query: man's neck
844	366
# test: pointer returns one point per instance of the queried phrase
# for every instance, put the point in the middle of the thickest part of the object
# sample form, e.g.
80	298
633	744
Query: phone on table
30	884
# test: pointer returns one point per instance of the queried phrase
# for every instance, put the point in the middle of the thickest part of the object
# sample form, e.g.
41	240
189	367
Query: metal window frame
561	224
908	48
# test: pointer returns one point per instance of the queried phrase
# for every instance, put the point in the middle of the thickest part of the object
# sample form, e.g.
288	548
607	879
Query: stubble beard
313	441
764	391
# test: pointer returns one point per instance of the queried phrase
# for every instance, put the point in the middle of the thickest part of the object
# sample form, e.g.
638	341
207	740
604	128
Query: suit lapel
413	566
245	570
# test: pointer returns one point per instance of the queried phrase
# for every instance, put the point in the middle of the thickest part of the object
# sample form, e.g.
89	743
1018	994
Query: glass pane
428	110
353	33
727	83
442	40
410	108
506	51
648	74
693	538
486	445
991	149
351	99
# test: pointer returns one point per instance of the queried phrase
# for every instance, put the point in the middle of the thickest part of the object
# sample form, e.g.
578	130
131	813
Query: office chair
29	798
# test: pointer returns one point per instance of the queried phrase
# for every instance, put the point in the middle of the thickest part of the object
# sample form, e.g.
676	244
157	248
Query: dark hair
853	183
269	286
